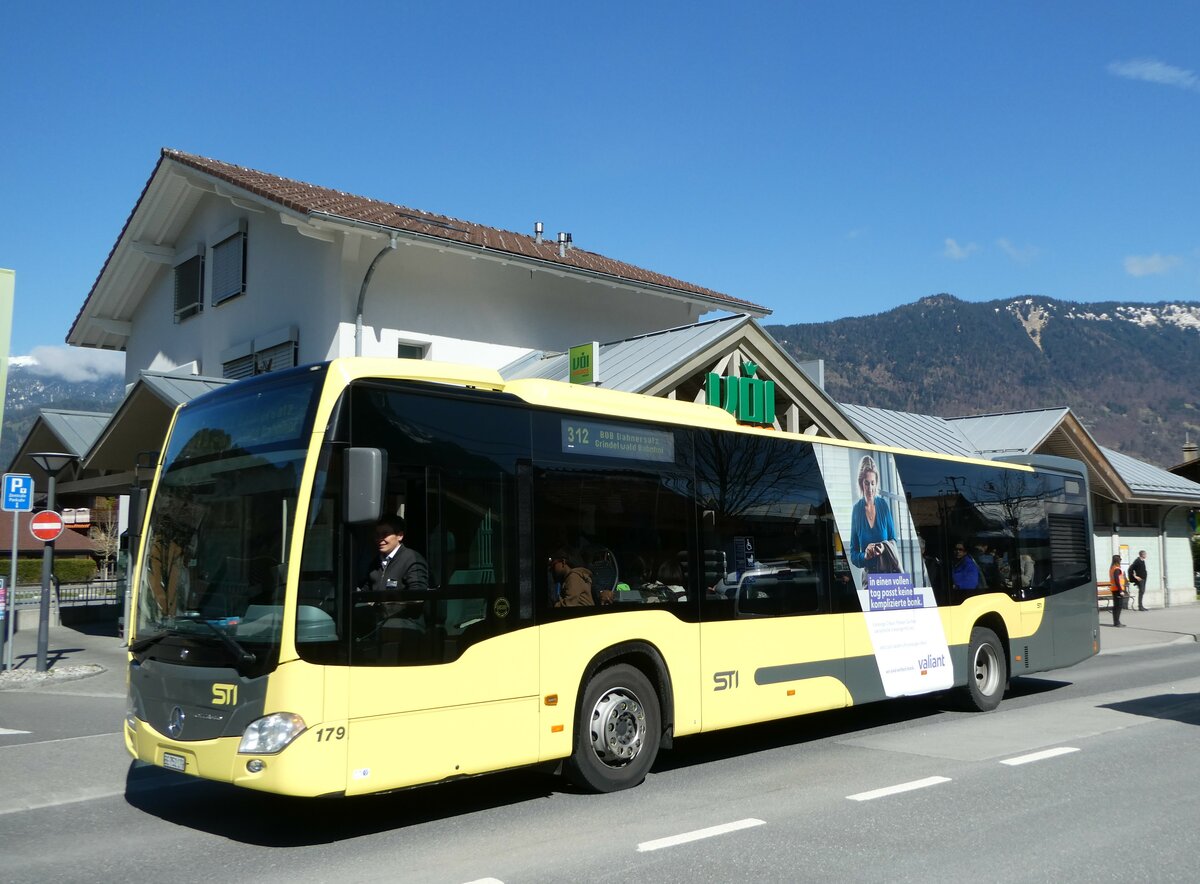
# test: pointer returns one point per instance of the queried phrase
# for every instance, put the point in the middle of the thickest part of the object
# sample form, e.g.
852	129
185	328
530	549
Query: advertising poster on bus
889	574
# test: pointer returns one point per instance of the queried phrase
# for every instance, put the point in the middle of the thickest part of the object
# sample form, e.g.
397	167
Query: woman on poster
872	531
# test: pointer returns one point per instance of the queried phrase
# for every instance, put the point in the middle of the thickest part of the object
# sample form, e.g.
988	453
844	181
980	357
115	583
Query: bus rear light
271	734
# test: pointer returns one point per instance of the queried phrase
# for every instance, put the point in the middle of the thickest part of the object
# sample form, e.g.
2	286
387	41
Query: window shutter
236	369
274	358
229	268
189	287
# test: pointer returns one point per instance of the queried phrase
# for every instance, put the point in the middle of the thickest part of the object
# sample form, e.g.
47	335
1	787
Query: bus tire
617	733
987	672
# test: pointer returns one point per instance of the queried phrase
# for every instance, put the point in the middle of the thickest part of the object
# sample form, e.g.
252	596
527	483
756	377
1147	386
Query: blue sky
821	159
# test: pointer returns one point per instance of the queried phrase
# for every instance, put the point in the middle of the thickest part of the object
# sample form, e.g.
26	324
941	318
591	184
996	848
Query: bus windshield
216	548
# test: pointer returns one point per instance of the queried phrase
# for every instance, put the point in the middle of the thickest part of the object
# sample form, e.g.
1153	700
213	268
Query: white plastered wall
464	307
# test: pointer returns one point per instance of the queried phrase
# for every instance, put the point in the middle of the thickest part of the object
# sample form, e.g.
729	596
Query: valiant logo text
224	695
931	662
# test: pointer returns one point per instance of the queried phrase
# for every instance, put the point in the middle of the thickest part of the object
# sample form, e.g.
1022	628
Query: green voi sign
585	364
749	399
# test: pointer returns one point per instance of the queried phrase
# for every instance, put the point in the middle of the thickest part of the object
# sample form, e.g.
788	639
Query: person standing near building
1116	578
1137	576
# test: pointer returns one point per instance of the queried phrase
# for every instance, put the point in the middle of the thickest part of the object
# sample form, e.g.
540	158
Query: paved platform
1157	626
71	654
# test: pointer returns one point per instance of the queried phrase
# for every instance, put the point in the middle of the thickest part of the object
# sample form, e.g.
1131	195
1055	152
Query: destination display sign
584	436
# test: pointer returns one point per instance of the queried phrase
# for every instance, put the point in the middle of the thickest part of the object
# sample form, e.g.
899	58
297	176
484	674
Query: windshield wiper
244	656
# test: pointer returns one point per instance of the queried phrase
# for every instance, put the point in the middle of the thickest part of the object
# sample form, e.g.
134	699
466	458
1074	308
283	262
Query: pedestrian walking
1137	577
1116	577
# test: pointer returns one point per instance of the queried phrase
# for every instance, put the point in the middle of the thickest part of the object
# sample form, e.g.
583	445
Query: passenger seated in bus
397	571
988	563
965	573
668	585
933	566
1026	570
573	581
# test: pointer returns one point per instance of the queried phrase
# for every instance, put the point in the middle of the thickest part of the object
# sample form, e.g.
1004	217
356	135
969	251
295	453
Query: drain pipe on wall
1162	552
362	294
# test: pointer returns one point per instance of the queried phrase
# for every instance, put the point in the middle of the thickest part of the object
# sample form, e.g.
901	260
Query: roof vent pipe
537	231
562	244
1189	449
570	241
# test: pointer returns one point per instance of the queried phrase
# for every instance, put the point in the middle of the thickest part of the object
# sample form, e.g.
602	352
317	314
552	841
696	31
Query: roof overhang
147	246
139	425
749	339
143	250
1071	439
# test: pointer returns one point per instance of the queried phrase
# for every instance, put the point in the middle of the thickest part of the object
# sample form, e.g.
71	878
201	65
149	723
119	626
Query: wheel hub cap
618	727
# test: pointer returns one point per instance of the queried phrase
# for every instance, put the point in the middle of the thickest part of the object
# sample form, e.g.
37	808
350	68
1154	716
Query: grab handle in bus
365	469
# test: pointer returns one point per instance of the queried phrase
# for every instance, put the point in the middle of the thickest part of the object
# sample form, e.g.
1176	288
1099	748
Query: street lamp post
52	463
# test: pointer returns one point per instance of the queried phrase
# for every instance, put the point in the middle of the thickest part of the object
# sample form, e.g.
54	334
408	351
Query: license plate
174	762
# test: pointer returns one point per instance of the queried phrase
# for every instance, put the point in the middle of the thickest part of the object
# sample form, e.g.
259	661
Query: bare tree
105	533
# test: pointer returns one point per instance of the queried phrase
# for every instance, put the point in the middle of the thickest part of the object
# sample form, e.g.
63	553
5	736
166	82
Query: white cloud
955	252
1151	70
76	363
1020	254
1150	265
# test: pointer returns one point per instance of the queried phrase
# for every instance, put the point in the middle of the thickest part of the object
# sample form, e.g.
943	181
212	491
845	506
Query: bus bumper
309	767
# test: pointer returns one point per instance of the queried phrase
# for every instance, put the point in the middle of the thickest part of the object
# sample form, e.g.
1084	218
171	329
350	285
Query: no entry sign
46	525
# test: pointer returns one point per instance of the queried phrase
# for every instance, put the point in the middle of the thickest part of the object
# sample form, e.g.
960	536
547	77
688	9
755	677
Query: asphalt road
1087	774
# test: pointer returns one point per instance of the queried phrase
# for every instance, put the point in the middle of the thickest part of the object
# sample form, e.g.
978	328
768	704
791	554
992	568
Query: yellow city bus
733	574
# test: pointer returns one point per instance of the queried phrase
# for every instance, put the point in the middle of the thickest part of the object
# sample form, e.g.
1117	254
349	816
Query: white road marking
1040	756
4	731
486	881
896	790
62	739
697	835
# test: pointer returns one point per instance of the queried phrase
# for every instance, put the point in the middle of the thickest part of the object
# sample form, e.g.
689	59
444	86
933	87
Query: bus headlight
271	734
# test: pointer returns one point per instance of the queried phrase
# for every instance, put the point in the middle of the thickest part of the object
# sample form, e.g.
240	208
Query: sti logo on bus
749	399
725	681
224	695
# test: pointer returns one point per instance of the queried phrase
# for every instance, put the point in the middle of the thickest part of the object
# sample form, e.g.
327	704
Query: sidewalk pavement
74	653
71	654
1156	626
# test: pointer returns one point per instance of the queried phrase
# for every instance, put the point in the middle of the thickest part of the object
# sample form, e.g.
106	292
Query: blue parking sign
18	492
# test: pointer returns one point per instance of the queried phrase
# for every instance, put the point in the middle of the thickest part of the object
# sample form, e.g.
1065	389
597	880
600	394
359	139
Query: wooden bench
1104	596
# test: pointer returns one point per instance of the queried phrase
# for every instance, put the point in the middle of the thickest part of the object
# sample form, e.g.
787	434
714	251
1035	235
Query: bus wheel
987	672
616	737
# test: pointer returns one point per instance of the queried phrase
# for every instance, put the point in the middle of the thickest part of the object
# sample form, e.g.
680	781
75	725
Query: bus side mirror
362	491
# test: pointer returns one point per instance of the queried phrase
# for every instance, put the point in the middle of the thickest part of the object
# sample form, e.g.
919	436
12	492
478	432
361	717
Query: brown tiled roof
309	198
69	542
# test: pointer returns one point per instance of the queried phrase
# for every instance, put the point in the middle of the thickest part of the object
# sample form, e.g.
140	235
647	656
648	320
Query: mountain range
1128	372
30	389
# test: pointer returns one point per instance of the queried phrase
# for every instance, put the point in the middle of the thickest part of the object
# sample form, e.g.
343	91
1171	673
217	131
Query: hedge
67	570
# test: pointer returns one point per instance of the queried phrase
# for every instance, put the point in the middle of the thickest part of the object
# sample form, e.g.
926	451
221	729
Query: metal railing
93	592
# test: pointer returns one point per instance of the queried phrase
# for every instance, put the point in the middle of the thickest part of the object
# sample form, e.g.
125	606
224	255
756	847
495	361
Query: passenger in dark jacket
573	580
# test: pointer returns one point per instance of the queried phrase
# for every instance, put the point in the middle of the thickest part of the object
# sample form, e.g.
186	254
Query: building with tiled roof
233	271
